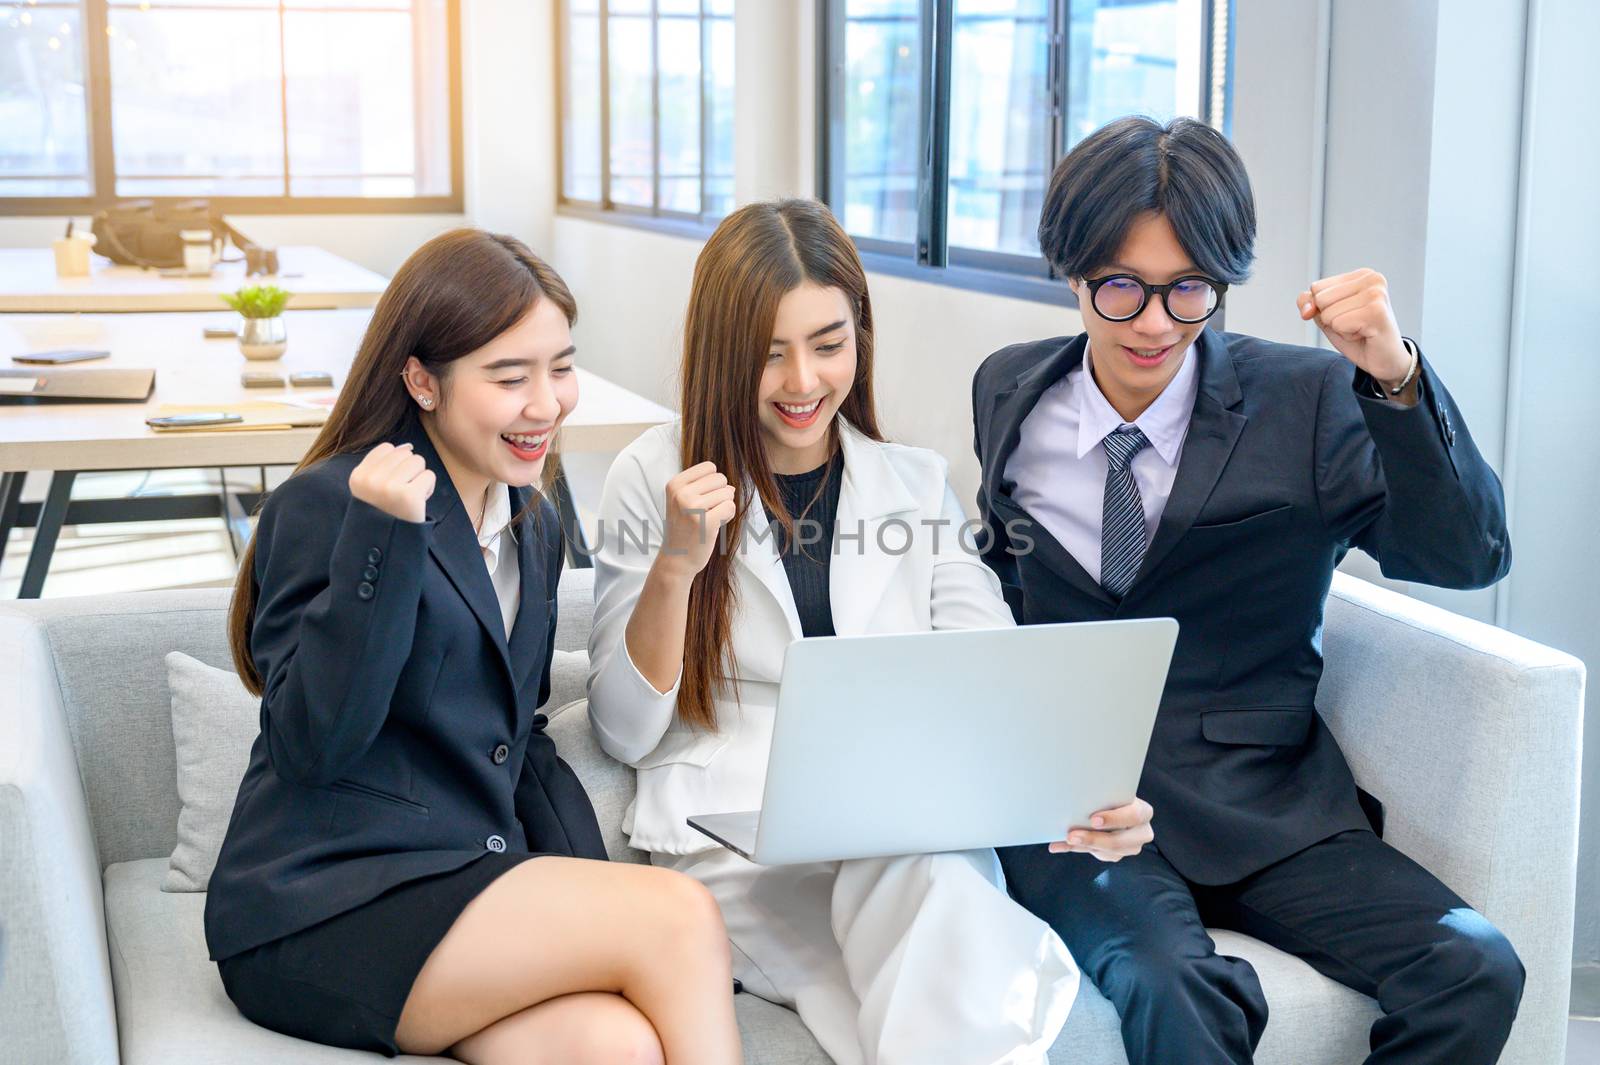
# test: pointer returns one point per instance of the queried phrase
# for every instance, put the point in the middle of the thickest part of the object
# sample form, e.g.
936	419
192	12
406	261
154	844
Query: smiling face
501	405
811	365
1134	360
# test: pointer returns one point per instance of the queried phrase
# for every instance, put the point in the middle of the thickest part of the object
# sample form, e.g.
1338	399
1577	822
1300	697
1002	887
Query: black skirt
344	982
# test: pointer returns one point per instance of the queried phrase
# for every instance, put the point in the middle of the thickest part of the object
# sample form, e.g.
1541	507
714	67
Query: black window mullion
1060	58
933	170
830	116
97	72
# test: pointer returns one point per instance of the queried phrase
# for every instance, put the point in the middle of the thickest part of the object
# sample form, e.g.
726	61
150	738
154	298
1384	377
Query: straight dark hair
454	294
1184	170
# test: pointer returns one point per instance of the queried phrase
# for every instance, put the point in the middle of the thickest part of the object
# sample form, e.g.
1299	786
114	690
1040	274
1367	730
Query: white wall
1554	386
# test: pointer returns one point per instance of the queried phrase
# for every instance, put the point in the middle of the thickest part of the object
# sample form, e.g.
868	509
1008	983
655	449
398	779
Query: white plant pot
263	338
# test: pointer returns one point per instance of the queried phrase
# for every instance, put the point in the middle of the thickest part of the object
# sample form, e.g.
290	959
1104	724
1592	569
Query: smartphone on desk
56	358
190	421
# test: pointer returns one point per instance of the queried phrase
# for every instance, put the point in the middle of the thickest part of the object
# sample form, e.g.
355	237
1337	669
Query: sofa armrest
1470	736
56	1000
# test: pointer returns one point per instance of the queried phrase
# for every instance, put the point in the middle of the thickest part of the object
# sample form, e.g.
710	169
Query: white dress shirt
498	543
1059	467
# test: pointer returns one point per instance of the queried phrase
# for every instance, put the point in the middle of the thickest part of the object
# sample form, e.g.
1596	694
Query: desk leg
10	502
45	533
578	556
234	518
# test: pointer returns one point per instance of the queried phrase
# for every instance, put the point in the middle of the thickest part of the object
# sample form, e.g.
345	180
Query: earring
426	401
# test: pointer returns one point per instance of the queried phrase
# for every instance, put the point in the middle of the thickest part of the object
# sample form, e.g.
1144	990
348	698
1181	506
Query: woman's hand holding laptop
1114	834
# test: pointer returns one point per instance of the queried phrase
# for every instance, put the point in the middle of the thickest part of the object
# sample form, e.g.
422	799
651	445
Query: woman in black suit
396	612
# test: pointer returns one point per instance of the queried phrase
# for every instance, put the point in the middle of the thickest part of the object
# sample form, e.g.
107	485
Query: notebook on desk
46	385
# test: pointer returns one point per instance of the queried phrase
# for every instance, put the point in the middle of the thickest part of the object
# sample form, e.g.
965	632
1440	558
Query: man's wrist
1394	387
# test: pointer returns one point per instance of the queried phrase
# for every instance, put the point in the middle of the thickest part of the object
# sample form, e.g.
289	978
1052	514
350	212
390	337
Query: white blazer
906	573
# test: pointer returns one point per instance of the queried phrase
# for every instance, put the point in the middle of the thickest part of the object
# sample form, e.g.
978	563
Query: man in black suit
1149	467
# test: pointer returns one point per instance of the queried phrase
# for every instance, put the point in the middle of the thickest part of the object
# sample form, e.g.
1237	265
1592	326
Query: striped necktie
1122	534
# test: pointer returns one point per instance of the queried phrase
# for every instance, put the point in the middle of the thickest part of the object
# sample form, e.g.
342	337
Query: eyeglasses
1122	297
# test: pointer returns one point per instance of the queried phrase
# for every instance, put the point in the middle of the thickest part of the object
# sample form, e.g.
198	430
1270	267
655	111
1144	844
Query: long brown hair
454	294
758	255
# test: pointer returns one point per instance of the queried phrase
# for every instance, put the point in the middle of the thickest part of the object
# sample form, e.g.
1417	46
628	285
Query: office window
647	106
270	104
44	129
943	119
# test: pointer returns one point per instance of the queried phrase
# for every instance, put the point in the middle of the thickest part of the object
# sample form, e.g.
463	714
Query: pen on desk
69	228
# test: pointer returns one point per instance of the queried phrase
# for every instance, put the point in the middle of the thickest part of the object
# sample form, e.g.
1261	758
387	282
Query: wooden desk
68	439
315	279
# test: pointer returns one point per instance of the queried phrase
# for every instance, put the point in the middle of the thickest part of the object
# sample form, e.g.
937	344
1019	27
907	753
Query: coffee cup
72	254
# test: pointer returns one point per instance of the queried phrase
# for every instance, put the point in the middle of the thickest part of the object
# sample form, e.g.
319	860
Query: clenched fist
1354	313
395	480
700	501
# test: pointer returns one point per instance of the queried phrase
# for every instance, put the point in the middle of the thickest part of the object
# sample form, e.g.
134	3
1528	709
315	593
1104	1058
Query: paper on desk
18	386
258	415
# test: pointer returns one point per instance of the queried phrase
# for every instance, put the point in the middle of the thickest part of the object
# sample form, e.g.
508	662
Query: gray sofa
1469	735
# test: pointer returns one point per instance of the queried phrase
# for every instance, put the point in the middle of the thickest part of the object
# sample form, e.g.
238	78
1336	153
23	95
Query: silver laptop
937	741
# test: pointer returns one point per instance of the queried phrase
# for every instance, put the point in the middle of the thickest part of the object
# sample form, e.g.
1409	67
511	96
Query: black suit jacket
1284	468
399	737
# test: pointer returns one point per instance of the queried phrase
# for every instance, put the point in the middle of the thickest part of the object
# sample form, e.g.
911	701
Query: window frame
102	159
654	218
930	257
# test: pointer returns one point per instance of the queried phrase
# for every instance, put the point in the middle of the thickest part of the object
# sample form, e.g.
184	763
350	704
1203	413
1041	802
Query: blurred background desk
66	440
315	279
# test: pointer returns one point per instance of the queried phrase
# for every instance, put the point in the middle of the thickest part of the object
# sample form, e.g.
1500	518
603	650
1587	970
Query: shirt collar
1164	423
496	517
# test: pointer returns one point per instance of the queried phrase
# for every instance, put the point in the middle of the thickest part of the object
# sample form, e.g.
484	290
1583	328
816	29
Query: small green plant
258	301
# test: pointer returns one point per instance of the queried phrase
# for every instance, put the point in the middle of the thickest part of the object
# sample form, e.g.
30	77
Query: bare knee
587	1028
686	909
624	1037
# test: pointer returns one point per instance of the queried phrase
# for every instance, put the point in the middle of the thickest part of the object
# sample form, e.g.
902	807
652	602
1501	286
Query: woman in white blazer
771	512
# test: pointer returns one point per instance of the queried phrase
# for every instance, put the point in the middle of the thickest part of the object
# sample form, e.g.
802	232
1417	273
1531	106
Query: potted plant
264	335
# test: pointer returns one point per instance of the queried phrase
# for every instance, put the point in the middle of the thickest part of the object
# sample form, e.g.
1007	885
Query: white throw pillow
214	724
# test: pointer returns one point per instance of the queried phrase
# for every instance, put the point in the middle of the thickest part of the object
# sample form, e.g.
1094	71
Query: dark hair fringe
1184	170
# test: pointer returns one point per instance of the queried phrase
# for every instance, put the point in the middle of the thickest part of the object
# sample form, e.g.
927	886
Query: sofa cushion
608	782
214	722
171	1006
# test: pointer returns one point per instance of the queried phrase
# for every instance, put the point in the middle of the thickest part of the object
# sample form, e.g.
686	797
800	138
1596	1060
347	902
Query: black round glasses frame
1147	290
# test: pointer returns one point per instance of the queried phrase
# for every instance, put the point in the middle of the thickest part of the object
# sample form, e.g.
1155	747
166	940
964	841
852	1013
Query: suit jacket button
496	844
364	590
370	573
501	753
374	556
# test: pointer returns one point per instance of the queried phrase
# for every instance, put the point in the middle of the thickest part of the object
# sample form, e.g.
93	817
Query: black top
399	733
1286	467
812	499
